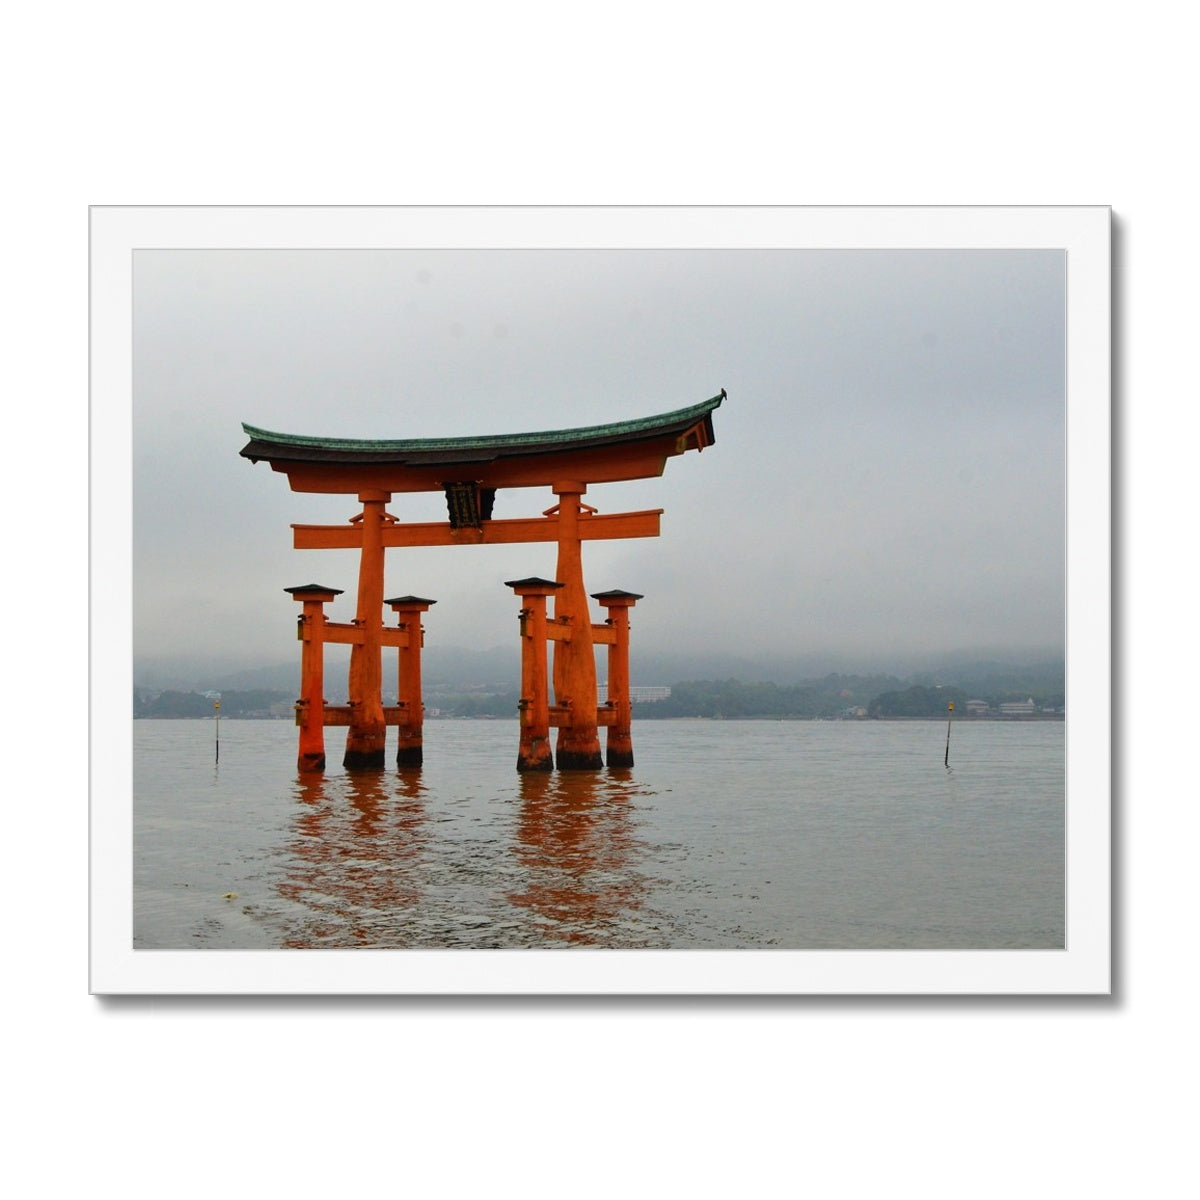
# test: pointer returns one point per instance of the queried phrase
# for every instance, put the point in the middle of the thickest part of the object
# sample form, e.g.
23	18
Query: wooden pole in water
367	736
217	712
618	744
533	752
410	723
310	708
949	718
578	744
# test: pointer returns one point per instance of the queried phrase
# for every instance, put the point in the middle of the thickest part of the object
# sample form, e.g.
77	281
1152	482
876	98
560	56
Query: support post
578	747
310	708
366	737
409	751
533	752
618	743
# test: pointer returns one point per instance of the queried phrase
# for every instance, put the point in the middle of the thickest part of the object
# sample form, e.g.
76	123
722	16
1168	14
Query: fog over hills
449	666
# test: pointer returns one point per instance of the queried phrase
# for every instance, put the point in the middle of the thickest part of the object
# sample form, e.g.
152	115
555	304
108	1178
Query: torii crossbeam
469	471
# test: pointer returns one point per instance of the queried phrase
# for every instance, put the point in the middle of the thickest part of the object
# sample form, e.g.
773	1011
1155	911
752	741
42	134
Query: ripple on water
725	835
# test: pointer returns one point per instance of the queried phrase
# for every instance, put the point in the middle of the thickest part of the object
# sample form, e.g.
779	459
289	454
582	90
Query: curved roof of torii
592	454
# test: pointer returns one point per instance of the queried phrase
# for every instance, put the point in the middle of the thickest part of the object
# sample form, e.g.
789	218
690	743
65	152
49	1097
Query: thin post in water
217	718
949	718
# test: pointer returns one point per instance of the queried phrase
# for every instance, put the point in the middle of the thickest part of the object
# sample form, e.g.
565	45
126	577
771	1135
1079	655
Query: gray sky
888	473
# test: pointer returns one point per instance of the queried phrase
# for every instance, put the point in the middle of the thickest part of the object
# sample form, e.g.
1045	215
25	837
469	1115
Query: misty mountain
978	672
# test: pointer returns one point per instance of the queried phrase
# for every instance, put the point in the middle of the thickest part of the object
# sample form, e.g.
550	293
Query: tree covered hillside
730	699
175	704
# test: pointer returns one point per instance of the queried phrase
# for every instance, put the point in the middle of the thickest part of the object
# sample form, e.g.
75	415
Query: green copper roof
268	444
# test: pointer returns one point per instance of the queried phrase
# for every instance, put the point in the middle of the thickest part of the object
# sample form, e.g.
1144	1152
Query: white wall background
372	103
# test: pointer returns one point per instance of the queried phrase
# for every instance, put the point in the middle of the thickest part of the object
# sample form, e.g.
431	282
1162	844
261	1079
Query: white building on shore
637	695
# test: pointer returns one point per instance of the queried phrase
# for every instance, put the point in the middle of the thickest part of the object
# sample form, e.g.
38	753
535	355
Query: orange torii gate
470	470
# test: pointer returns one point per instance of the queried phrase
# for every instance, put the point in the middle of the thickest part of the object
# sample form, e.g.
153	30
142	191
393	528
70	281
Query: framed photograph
600	601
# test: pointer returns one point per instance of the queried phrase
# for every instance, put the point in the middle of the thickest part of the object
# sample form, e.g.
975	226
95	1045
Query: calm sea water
725	835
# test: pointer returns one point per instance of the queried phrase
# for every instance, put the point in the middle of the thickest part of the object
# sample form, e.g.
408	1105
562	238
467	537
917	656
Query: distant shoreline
997	719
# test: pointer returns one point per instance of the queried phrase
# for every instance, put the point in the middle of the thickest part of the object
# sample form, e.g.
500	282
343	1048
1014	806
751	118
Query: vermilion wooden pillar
409	752
618	743
533	753
366	737
310	709
578	747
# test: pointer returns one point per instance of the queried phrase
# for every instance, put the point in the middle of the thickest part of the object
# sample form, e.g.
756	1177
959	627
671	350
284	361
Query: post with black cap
534	753
411	716
310	708
618	744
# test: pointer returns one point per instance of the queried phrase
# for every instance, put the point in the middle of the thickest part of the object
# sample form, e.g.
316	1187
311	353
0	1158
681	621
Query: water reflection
575	840
358	842
384	859
735	841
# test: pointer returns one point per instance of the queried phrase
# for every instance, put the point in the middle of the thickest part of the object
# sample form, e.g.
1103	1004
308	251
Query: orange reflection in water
575	841
357	841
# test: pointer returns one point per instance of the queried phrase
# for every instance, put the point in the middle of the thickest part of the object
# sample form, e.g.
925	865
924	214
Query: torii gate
469	470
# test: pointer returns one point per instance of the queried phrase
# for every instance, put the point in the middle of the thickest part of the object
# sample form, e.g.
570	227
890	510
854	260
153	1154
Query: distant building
638	695
977	708
1018	708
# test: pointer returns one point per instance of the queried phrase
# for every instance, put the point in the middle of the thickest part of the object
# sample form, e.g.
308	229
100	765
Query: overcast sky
888	473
